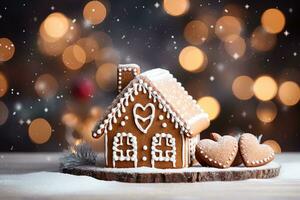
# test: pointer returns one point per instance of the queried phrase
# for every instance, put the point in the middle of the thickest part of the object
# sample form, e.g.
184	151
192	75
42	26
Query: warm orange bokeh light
192	59
106	76
56	46
39	131
273	20
94	12
176	8
3	85
266	111
261	40
74	57
196	32
7	49
90	47
235	46
289	93
70	119
211	106
274	145
226	26
54	26
3	113
242	87
265	88
46	86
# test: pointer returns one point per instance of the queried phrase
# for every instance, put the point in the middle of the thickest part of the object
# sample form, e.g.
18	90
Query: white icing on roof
174	94
161	86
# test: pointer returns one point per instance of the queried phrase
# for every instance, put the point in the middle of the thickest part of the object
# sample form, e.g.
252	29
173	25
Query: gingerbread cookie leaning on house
153	122
218	152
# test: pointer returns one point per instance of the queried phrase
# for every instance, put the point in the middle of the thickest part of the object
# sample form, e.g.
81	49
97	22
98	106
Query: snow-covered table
35	176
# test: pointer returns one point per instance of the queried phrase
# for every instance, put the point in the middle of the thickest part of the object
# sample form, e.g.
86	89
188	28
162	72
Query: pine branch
81	154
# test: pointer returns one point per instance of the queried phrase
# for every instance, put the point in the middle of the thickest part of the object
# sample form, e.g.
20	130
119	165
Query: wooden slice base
192	174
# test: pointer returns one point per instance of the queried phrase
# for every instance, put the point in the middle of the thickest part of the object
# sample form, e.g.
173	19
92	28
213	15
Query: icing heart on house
220	153
253	153
138	118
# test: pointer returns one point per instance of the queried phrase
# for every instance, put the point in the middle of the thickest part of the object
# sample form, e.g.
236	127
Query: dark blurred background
239	59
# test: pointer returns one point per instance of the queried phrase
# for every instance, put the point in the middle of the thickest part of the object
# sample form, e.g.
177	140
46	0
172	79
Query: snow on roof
175	95
183	111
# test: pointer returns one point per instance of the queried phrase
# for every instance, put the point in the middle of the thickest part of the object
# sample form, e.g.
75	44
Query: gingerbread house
153	122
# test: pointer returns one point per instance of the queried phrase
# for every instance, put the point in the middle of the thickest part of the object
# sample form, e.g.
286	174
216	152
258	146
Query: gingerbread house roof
173	99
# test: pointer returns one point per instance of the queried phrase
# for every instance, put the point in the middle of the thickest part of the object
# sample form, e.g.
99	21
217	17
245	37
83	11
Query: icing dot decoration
160	117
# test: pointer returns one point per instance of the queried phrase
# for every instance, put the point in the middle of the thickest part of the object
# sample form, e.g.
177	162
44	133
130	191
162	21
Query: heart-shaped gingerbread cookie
238	159
220	153
253	153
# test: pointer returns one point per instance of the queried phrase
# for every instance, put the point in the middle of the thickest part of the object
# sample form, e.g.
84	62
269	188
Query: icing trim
106	152
120	107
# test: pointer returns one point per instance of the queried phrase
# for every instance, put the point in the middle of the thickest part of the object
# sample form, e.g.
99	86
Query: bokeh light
74	57
3	84
3	113
96	112
242	87
261	40
7	49
94	12
46	86
55	46
235	46
265	88
273	20
90	47
226	26
289	93
176	8
274	145
211	106
192	59
106	76
39	131
70	119
54	26
196	32
266	111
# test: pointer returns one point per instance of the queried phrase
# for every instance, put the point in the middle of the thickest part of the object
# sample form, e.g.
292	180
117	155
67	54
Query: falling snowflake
156	5
286	33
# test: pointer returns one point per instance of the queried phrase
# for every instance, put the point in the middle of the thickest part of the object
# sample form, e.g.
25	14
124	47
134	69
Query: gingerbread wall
160	124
